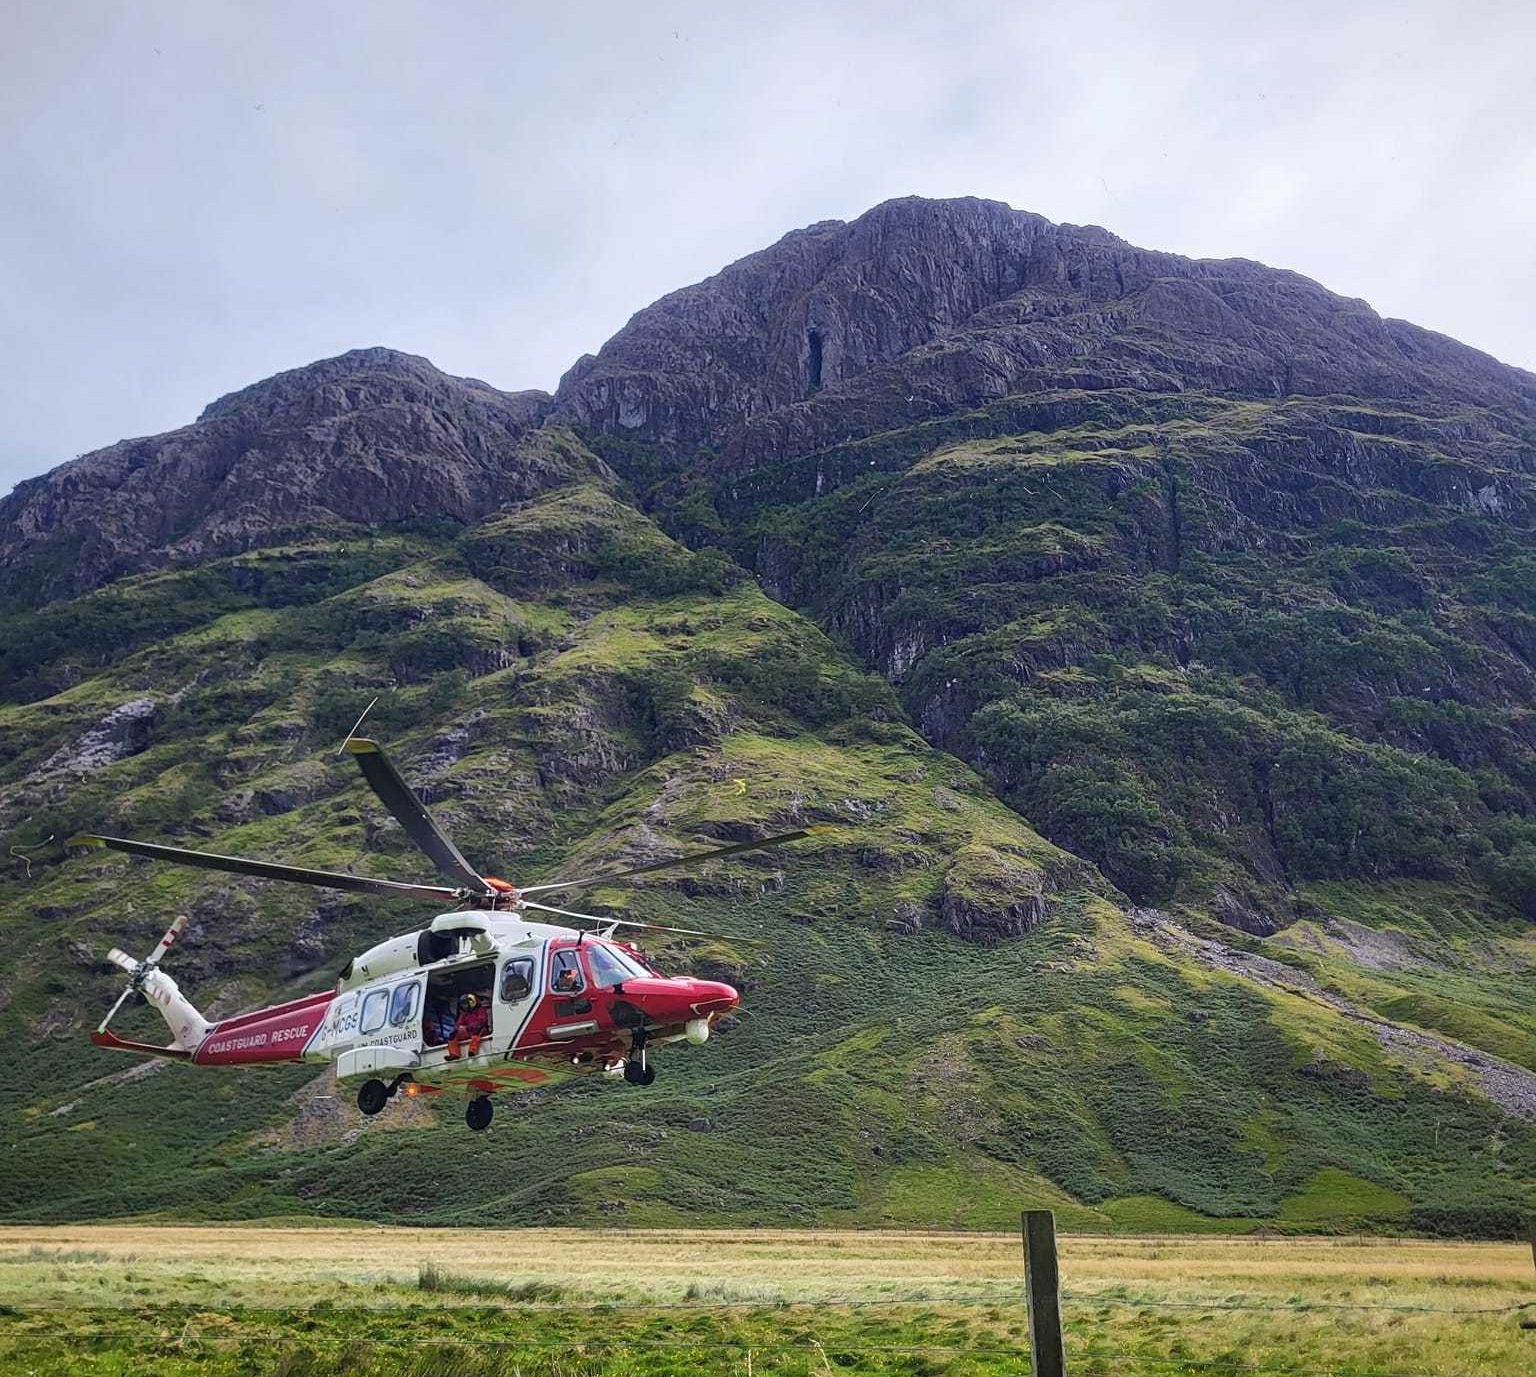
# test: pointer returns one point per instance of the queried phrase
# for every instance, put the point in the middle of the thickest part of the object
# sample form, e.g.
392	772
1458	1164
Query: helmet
467	1001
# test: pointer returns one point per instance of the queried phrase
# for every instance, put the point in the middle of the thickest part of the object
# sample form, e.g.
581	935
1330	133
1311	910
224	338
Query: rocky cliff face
373	436
1031	473
913	311
919	307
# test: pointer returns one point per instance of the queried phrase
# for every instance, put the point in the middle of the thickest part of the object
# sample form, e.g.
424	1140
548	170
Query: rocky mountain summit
992	454
373	436
913	311
919	307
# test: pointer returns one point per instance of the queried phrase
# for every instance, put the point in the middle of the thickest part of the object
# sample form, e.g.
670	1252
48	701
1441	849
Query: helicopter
484	999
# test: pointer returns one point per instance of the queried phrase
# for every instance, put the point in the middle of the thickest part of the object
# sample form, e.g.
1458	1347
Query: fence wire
1283	1307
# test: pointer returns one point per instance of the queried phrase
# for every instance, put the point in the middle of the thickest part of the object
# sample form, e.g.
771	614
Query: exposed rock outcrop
122	732
989	898
372	436
912	311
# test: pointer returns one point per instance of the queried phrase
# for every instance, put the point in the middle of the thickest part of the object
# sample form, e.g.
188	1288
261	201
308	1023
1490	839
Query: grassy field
368	1299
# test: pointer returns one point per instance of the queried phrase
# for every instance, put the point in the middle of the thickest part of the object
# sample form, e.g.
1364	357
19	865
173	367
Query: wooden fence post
1043	1282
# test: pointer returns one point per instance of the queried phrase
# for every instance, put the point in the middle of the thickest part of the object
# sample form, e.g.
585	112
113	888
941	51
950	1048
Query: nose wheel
477	1113
638	1071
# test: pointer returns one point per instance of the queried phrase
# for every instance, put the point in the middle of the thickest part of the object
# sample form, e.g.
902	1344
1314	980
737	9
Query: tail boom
276	1034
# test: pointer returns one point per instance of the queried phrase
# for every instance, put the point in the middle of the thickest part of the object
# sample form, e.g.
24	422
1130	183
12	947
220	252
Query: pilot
567	981
473	1023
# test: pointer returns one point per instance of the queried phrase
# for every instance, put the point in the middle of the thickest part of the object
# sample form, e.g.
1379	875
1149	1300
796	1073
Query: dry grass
1284	1304
262	1264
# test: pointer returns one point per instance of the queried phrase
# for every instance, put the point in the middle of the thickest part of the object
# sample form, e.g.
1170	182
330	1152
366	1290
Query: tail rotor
145	977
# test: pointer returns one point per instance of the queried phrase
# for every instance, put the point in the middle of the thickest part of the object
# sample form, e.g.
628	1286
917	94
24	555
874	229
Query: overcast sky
196	195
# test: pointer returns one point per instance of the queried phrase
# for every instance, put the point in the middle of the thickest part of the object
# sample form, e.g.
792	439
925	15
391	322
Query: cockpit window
565	975
635	967
643	963
608	967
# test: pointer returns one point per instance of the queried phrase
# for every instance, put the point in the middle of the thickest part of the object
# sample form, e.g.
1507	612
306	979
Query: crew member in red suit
473	1023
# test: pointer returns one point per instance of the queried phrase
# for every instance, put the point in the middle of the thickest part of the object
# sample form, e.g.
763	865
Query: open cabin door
447	991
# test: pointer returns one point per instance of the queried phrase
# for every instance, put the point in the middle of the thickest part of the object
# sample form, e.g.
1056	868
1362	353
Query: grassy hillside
951	1013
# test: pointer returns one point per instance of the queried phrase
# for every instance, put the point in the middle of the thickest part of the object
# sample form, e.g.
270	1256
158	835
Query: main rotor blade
411	813
629	923
693	858
268	870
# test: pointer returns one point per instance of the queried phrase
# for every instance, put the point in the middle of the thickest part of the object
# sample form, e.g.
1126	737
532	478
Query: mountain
372	436
1223	581
919	307
1157	635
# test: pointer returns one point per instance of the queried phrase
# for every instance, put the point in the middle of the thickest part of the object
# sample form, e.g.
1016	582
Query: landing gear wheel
372	1096
477	1113
639	1073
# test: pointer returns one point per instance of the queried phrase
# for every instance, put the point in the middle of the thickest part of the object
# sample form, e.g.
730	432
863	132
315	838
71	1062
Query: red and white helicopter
553	1000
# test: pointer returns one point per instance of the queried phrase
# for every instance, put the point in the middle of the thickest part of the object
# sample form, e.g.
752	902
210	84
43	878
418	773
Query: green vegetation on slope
1202	642
565	683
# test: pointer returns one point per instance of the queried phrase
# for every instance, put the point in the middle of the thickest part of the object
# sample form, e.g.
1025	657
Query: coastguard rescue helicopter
483	999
